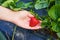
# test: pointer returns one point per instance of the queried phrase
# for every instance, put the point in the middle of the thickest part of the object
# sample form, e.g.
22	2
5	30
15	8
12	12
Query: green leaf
11	4
14	9
15	1
55	27
58	19
24	5
1	1
58	34
52	0
20	4
28	4
57	8
57	1
35	15
41	4
6	3
46	22
52	13
2	37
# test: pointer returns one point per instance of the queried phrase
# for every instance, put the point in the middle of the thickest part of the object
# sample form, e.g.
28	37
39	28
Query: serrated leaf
52	13
55	27
6	3
41	4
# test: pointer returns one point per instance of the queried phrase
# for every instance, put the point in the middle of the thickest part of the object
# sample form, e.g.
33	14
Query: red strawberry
33	21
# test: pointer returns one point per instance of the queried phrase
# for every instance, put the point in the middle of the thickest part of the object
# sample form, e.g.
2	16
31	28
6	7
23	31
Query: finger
26	26
40	21
34	28
30	15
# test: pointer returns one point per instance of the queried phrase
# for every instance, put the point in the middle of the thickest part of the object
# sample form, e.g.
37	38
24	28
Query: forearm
6	14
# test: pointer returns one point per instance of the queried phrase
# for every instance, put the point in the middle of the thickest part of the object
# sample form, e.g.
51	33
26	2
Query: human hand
23	18
20	18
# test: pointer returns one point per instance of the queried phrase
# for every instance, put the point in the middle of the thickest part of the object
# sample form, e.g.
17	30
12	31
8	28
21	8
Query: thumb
30	15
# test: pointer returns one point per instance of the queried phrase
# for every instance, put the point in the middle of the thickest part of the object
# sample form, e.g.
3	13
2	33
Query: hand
20	18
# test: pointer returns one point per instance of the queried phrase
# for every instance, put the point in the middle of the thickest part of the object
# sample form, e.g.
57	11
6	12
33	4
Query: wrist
6	17
6	14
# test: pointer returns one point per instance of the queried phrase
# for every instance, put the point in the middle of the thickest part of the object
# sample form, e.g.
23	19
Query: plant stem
14	32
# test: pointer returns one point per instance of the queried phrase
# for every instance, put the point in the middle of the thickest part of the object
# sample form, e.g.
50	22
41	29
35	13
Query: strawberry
33	22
